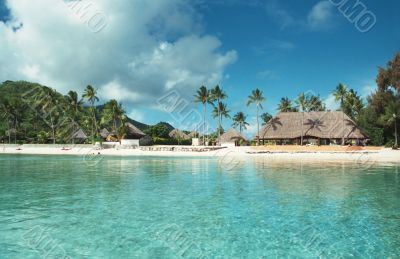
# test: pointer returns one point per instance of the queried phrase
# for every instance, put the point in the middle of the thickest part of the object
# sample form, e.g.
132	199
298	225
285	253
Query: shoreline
384	155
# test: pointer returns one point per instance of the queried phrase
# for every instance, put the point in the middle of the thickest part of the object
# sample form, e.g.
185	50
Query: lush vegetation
378	118
32	113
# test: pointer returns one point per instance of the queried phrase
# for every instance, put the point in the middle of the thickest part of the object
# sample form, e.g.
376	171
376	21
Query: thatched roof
176	133
231	135
133	132
104	133
79	135
194	134
328	125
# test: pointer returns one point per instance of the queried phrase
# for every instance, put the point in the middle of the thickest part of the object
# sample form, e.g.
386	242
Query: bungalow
79	136
313	127
231	138
133	135
179	135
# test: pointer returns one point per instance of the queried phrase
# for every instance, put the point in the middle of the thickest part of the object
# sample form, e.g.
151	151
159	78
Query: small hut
79	136
104	133
133	135
178	134
231	138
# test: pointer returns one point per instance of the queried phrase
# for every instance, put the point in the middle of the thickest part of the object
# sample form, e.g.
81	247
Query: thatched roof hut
194	134
79	135
232	136
133	132
104	133
321	125
178	134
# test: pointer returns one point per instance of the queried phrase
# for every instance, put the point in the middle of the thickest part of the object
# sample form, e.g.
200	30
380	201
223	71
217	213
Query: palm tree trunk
302	130
9	132
258	130
204	123
395	133
219	123
94	120
343	128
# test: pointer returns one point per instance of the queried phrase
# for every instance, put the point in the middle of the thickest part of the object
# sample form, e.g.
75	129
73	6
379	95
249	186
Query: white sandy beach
384	155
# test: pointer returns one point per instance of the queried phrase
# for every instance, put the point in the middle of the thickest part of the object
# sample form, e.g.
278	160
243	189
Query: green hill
33	113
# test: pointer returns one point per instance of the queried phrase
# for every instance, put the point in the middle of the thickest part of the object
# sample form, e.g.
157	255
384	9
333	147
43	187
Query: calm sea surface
55	207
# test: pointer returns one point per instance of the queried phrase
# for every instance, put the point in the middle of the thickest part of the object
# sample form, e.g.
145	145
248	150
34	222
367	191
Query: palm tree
353	104
265	117
90	94
74	103
203	96
285	105
302	104
221	111
392	114
256	98
239	119
113	112
314	103
52	107
7	113
340	94
217	95
74	106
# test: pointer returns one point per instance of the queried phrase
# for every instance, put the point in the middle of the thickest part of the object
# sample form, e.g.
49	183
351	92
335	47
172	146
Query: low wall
48	145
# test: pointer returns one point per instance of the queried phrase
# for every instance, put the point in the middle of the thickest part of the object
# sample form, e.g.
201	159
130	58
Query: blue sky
281	47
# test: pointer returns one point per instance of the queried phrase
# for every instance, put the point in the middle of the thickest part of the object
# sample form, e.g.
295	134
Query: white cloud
367	90
267	74
320	16
136	115
331	103
144	49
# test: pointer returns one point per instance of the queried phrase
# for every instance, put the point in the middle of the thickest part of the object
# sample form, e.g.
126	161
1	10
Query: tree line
378	118
31	113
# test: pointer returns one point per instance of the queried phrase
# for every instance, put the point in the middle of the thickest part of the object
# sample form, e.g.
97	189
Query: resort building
104	133
231	138
316	128
133	135
178	134
79	136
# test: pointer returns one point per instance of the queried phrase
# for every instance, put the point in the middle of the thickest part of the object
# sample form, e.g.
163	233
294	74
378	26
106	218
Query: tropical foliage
32	113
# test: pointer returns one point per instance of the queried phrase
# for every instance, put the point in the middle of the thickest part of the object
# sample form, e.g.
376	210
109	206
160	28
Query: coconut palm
265	117
391	116
314	103
353	104
302	104
113	112
239	120
285	105
74	106
74	103
221	111
90	94
256	98
7	112
51	106
340	94
217	95
203	96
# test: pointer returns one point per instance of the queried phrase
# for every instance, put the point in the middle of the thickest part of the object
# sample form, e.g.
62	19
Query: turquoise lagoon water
63	207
